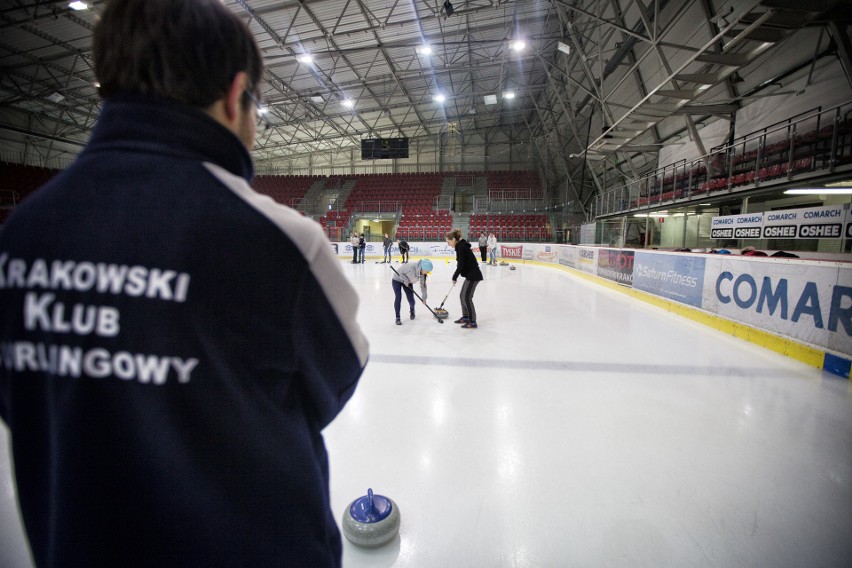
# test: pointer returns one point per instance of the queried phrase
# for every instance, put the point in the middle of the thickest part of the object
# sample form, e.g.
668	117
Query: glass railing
503	234
816	142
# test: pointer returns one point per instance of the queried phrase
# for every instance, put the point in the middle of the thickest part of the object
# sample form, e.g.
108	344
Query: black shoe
470	325
398	322
412	314
461	320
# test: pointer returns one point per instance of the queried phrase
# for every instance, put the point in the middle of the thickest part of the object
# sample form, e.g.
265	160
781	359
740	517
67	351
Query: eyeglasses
262	110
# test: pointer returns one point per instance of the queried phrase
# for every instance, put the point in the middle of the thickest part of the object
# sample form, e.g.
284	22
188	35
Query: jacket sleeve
423	291
461	260
324	311
325	322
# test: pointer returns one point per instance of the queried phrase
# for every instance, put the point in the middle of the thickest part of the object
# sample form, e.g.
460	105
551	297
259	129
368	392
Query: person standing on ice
492	249
483	246
403	250
179	422
355	242
466	266
404	279
387	244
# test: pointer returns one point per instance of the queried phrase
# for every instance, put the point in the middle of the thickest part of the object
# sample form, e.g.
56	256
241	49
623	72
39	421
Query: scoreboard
384	148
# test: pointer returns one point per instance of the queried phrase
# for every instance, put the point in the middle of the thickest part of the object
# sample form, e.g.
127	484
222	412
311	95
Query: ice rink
580	427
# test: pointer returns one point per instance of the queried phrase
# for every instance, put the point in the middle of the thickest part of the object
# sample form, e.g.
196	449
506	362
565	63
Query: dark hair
454	234
185	50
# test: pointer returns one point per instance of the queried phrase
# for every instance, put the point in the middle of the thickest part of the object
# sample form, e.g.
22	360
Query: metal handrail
693	177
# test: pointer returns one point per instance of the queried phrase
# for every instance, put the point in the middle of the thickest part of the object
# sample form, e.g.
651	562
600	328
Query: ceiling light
55	97
509	95
78	5
820	191
439	98
424	50
564	48
348	103
490	99
317	98
305	59
518	45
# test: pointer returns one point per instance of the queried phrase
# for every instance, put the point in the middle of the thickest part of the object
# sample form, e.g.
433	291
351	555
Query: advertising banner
437	249
568	255
587	259
511	251
811	223
616	265
747	226
803	300
545	253
677	277
849	224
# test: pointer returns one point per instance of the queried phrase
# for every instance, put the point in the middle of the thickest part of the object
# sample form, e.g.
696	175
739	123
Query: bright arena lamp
348	103
424	49
518	45
305	59
820	191
439	98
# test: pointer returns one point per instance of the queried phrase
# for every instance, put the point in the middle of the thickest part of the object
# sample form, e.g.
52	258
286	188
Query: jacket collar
146	124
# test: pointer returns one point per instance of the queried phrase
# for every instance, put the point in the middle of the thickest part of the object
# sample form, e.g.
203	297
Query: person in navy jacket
172	343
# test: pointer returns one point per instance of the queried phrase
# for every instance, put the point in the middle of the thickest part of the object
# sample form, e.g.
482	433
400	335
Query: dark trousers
466	297
483	251
355	254
398	287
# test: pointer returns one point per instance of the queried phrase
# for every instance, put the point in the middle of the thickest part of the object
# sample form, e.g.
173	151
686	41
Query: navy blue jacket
171	346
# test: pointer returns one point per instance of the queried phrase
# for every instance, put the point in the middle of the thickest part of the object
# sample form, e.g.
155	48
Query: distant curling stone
371	520
513	267
504	263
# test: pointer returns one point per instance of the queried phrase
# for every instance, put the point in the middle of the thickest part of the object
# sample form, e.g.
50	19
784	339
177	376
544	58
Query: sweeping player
404	279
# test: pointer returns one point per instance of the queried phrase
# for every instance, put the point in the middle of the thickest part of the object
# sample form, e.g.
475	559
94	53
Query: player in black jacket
403	250
467	266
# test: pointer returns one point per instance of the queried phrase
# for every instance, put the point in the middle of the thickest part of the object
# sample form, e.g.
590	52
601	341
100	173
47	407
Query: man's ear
234	97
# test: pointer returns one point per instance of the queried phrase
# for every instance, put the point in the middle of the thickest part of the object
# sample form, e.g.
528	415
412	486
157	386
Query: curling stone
512	268
371	520
504	263
441	313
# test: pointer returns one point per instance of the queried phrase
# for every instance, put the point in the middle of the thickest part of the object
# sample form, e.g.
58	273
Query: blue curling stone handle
370	508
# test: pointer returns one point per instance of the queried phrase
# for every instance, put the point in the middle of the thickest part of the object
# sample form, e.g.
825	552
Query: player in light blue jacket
404	279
